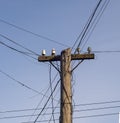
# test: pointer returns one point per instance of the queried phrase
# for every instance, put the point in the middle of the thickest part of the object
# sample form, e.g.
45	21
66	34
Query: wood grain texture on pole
66	94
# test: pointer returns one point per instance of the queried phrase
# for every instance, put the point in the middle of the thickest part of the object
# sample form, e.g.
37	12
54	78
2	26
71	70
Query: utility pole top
65	59
58	57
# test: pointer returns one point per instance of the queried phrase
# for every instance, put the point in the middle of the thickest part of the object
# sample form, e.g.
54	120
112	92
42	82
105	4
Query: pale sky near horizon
94	81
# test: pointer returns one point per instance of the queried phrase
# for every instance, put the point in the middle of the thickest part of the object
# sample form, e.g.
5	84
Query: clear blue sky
95	80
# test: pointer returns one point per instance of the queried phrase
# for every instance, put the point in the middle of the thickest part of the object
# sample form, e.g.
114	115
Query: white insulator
53	51
43	52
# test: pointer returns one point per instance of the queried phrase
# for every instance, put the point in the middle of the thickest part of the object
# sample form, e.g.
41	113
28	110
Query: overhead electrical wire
62	85
55	113
107	51
90	21
96	115
34	53
30	53
47	101
95	22
24	85
48	108
52	102
81	117
12	48
87	25
75	111
86	28
43	121
91	24
19	51
99	103
95	109
77	105
20	83
37	107
53	108
80	42
30	32
17	116
23	116
52	98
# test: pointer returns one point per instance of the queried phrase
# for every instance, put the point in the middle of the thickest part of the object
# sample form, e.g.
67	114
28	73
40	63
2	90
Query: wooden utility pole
65	73
66	94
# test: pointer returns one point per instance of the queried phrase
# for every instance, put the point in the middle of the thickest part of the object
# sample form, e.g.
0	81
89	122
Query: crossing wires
46	102
91	23
102	107
14	42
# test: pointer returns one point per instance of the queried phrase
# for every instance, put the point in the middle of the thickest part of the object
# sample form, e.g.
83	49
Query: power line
17	116
96	20
40	121
109	51
37	108
78	105
46	102
98	103
12	48
82	117
94	116
35	34
24	116
87	25
19	51
75	111
106	51
52	94
22	84
100	108
92	25
54	113
18	44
